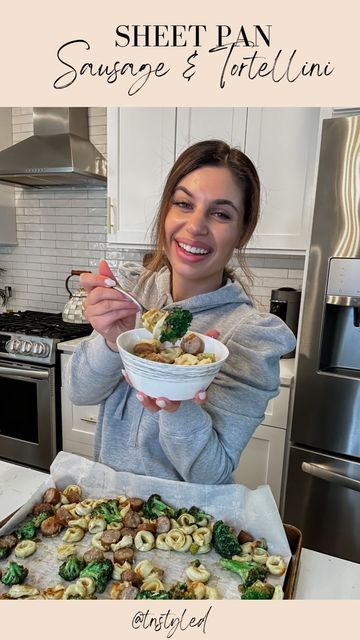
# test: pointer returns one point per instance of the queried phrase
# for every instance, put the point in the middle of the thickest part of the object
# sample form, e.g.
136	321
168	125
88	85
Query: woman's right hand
108	312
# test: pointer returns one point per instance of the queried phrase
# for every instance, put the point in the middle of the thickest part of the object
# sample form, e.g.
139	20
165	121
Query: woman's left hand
157	404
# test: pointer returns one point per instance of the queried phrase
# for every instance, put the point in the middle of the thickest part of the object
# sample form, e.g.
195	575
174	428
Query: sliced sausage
128	593
244	536
50	526
123	555
63	516
93	554
126	531
136	504
8	542
129	575
40	507
52	496
163	524
73	496
147	526
132	519
191	343
110	536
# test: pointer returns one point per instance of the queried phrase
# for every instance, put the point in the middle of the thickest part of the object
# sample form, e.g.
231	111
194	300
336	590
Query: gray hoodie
200	444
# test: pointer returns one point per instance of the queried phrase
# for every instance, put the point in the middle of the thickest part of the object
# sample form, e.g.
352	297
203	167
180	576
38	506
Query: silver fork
130	297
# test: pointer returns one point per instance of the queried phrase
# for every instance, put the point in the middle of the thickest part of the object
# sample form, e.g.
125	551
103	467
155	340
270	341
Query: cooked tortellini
25	548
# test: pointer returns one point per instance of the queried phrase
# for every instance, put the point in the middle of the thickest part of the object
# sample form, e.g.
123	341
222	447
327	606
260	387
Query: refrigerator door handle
320	471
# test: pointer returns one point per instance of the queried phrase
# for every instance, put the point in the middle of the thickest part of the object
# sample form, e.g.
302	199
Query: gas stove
32	336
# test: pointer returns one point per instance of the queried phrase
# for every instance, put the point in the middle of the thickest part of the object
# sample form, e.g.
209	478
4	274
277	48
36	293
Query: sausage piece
126	531
132	519
93	554
136	504
40	507
191	343
123	555
73	496
8	542
110	536
128	593
244	536
129	575
50	526
147	526
63	516
52	496
163	524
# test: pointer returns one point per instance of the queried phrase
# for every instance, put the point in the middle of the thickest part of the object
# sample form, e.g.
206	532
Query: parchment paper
242	508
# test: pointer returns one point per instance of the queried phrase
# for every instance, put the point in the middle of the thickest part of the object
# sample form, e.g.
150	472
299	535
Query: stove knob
13	345
36	348
45	350
26	346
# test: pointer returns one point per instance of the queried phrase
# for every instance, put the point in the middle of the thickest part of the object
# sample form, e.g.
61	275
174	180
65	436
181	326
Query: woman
208	209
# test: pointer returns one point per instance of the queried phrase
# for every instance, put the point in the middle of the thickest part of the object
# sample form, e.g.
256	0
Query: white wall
63	229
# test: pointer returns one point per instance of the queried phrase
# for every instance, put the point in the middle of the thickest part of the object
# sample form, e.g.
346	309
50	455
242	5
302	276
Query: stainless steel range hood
59	154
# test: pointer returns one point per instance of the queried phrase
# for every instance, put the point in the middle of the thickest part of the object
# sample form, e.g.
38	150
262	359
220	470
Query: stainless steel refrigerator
322	495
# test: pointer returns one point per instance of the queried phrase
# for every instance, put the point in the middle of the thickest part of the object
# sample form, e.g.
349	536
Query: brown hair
215	153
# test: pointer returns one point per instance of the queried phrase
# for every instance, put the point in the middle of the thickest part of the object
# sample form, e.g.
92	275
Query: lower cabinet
263	458
78	423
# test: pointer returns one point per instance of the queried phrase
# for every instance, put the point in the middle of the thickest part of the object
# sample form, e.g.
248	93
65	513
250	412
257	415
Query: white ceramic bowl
173	381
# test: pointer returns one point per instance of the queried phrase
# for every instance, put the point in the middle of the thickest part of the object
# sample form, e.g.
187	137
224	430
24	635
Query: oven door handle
9	372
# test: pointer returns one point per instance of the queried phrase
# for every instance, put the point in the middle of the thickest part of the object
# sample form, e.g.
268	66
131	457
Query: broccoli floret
198	514
175	325
249	572
258	591
146	594
155	507
101	571
224	541
4	552
27	531
15	574
37	520
70	569
179	591
108	510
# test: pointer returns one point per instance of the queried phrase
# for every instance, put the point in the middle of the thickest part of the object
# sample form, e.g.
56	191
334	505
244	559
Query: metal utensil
130	297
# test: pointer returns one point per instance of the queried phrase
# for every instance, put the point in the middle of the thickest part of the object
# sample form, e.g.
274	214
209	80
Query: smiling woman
208	209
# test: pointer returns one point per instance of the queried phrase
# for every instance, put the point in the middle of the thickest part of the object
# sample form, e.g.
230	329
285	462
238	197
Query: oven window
19	416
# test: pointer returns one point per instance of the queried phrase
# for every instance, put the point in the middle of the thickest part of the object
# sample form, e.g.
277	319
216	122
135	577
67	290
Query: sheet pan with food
92	532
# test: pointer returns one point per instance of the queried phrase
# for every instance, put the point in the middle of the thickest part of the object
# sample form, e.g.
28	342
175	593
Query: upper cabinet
141	151
283	143
7	193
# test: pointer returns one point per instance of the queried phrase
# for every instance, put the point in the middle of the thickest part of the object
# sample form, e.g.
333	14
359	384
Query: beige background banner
198	53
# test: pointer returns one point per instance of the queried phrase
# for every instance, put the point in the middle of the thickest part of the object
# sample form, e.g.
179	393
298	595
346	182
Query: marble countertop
287	365
320	577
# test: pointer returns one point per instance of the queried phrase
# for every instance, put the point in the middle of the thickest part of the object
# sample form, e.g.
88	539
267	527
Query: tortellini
25	548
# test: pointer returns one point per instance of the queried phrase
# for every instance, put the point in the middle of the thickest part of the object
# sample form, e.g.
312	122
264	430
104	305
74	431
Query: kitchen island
320	576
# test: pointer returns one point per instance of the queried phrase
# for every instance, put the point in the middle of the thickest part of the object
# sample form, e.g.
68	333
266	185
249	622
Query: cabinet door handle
320	471
110	224
91	419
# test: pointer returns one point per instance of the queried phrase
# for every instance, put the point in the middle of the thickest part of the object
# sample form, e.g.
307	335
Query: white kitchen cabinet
78	422
262	460
282	142
141	151
195	124
7	192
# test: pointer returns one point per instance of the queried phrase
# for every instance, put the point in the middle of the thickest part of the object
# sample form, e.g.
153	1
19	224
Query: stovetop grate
42	323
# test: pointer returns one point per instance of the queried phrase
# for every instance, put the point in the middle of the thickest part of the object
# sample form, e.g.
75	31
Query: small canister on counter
285	303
